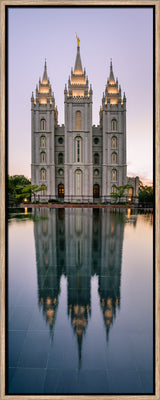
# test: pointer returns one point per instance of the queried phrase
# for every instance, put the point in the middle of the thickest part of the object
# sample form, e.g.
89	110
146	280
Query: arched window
114	175
78	120
43	174
43	124
60	158
43	157
43	141
96	190
60	172
114	125
78	149
96	172
114	142
96	158
114	158
78	182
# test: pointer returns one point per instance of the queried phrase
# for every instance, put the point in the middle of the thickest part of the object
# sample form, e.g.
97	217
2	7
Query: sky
123	34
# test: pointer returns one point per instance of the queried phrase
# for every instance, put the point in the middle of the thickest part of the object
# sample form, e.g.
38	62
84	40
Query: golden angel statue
78	40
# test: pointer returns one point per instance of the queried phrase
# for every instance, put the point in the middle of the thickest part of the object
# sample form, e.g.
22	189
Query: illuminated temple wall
78	161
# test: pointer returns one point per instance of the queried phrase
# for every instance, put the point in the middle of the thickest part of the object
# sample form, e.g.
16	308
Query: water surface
80	315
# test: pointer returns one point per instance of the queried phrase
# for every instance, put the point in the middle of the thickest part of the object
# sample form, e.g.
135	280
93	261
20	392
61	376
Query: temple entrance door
96	191
61	190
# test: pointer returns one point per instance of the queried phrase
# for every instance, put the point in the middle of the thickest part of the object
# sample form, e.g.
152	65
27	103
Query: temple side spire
111	77
45	76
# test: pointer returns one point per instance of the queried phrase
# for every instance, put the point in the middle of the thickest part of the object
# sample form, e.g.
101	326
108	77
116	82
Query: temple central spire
78	82
78	64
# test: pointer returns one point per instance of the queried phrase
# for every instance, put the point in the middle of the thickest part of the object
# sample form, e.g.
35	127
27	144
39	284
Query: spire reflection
49	262
78	270
110	265
79	243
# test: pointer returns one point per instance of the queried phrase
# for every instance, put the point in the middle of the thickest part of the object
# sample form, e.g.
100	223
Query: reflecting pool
80	298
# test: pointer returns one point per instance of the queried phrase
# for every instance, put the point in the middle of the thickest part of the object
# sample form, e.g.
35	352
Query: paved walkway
69	205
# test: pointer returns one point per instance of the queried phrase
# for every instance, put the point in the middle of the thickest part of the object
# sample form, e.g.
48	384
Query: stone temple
79	161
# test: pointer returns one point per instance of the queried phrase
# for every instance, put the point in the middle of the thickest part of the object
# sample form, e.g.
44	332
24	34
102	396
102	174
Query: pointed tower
43	124
78	135
113	124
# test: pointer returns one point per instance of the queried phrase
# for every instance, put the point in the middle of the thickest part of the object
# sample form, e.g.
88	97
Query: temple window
96	140
114	124
114	142
78	149
43	124
114	158
60	140
96	158
43	157
78	120
60	158
43	174
43	141
114	175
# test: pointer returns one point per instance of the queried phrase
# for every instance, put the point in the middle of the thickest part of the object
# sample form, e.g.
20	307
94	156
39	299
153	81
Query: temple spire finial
78	40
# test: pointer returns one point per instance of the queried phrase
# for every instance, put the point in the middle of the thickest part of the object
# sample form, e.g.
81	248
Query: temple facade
78	161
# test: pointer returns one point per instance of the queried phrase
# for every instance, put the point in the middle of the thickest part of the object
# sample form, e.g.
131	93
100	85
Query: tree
20	188
28	191
120	192
13	182
146	195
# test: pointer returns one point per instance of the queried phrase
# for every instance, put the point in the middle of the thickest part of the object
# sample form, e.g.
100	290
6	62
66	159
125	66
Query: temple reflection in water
79	243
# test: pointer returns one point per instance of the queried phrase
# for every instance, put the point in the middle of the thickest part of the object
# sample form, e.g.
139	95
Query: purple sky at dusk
123	34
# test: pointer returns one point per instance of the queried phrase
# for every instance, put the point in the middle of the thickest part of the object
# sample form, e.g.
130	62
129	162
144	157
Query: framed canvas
35	32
